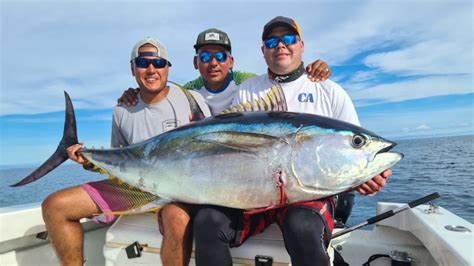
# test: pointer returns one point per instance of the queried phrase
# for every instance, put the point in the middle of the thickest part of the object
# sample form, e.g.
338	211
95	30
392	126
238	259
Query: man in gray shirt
159	109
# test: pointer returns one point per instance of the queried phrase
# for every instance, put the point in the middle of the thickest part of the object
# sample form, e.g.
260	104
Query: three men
159	109
218	84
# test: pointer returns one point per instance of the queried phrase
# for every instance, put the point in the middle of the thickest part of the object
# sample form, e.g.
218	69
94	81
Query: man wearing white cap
159	109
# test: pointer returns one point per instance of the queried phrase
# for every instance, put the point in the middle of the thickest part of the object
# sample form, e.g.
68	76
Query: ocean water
444	165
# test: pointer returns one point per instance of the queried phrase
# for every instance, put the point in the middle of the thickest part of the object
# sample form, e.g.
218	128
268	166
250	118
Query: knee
302	222
52	205
209	221
175	219
207	217
303	233
175	213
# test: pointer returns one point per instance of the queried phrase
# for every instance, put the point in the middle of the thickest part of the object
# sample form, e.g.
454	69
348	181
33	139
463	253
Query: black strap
338	259
374	257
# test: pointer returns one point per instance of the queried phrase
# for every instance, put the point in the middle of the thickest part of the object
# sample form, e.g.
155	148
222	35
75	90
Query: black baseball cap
280	21
213	36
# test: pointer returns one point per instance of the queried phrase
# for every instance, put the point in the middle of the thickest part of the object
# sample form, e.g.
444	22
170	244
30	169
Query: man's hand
318	71
129	97
374	185
72	152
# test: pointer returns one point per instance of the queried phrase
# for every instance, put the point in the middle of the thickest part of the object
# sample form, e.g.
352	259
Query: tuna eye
358	141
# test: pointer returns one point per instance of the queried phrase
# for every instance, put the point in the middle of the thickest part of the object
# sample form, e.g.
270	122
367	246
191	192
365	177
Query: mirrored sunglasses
272	42
206	57
145	62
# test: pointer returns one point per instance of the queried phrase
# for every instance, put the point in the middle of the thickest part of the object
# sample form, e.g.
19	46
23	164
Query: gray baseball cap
160	48
213	36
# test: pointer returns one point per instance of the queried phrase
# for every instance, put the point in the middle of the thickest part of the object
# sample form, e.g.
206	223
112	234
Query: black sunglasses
145	62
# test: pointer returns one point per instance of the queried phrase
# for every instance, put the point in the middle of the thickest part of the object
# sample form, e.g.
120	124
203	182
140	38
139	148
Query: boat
422	235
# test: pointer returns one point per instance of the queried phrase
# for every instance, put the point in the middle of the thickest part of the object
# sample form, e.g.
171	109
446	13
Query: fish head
328	161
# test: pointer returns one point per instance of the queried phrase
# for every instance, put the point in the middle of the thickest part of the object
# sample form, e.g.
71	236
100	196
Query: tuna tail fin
60	155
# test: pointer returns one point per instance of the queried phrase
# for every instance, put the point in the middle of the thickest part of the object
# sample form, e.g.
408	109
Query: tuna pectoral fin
149	207
60	155
249	142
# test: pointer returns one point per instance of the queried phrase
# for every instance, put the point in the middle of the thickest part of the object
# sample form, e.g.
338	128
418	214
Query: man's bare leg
177	235
62	211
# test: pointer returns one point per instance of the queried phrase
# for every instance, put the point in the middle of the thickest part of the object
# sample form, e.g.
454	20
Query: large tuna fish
244	160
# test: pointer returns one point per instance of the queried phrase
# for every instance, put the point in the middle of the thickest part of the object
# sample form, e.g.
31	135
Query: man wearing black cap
217	83
306	226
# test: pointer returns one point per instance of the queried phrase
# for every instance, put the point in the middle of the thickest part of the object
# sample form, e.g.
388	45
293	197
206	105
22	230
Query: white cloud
83	47
426	58
363	76
423	127
411	89
464	125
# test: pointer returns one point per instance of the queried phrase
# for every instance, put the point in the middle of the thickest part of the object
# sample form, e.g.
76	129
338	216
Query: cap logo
212	36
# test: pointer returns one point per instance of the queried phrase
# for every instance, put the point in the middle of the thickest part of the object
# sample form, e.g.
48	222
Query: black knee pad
303	230
209	219
301	220
214	221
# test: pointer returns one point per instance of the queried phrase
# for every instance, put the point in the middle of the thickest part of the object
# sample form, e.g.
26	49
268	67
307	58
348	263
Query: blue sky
406	64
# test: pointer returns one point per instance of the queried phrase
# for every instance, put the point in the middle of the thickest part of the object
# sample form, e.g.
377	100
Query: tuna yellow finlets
102	171
255	105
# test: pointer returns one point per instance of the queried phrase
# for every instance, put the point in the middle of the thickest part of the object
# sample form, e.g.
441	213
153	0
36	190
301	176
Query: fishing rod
388	214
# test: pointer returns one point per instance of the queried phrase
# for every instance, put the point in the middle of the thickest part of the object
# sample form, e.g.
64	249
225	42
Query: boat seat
143	228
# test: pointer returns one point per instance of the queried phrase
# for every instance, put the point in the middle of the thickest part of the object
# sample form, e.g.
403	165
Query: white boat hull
420	235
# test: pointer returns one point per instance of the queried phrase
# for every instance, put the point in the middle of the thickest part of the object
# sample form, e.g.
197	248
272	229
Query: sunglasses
206	57
145	62
273	42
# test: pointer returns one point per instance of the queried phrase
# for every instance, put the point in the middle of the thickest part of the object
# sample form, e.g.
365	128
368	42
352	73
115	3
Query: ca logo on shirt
305	98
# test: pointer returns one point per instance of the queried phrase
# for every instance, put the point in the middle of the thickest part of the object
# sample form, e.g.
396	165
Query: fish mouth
386	157
388	146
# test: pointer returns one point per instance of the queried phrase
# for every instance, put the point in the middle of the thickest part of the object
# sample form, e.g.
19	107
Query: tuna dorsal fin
273	101
242	141
196	111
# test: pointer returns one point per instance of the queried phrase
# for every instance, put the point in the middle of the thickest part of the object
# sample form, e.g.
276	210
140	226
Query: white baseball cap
160	48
